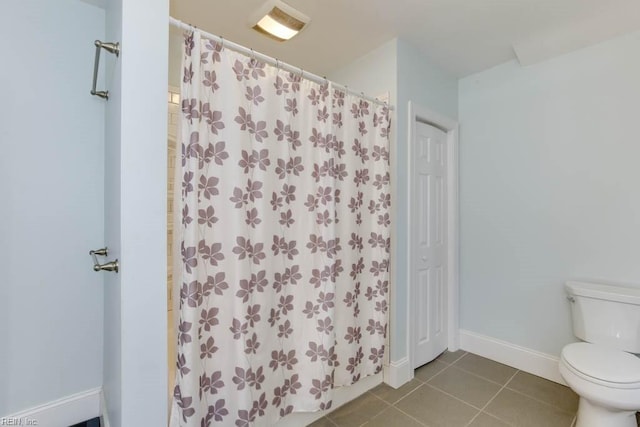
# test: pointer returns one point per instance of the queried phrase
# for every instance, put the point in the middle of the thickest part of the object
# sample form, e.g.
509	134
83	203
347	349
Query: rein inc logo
18	421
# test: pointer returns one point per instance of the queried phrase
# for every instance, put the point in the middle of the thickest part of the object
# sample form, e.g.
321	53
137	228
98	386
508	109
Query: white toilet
603	371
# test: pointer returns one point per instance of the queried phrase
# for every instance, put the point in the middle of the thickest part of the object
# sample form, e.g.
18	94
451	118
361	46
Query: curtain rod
273	61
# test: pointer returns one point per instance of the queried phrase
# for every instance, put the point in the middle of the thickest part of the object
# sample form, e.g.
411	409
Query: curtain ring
277	64
221	43
301	73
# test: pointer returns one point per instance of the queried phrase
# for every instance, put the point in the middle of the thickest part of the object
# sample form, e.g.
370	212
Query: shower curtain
285	240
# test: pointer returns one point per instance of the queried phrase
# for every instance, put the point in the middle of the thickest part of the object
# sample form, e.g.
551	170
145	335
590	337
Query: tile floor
461	389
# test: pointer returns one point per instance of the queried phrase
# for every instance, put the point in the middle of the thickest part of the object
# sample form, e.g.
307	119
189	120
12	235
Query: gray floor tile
435	408
450	357
473	390
392	395
358	411
322	422
486	420
426	372
547	391
391	417
493	371
522	411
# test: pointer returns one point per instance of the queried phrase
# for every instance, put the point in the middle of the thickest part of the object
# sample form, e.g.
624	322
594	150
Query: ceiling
461	36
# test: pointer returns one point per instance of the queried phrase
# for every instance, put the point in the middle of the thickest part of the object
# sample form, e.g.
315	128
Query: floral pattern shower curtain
285	240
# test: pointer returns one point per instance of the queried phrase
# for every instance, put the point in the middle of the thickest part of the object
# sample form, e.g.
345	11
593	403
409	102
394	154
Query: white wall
374	74
51	181
549	188
112	348
430	87
135	348
401	69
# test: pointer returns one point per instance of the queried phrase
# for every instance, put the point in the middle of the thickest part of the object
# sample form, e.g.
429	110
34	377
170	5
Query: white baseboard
525	359
63	412
398	373
104	414
341	396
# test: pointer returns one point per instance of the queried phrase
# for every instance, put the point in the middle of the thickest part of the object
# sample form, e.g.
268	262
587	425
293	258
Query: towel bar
111	48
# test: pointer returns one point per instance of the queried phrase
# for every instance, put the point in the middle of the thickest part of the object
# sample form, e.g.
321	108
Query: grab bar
111	48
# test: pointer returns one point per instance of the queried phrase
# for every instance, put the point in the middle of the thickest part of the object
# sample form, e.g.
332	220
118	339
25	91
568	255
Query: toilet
603	370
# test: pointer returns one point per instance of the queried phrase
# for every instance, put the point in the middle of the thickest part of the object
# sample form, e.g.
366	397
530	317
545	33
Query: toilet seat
603	365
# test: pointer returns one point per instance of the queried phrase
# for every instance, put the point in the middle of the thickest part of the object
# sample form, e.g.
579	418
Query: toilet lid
603	363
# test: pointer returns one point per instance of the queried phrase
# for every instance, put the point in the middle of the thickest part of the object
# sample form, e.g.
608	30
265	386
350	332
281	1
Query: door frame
418	113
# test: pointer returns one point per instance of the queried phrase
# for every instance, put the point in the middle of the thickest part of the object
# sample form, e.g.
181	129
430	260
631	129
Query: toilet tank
606	314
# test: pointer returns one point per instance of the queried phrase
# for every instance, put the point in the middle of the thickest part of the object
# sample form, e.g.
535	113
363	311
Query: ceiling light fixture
279	21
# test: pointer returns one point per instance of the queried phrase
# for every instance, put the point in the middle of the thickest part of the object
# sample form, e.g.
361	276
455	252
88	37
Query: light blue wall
549	188
51	185
402	70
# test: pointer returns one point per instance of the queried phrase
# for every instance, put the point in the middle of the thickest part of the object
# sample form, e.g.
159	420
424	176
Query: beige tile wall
172	131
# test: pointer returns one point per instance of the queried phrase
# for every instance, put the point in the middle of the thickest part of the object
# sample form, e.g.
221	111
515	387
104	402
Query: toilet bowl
604	369
607	381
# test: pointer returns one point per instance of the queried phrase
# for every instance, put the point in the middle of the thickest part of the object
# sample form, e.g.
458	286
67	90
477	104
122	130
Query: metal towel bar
111	48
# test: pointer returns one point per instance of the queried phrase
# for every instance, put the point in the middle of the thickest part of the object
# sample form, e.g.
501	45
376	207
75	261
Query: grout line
458	359
539	401
492	399
483	378
328	416
441	361
438	373
451	395
330	420
409	415
378	414
487	379
406	395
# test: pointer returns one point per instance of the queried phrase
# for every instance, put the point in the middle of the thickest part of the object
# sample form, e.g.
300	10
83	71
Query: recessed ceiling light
279	21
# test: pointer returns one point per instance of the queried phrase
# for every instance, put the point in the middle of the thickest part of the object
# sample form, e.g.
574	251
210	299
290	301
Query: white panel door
429	243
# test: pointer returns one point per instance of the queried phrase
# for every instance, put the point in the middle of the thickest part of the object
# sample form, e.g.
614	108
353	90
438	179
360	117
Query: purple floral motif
254	95
190	109
213	118
280	86
241	72
184	403
215	48
187	74
210	80
284	201
257	68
